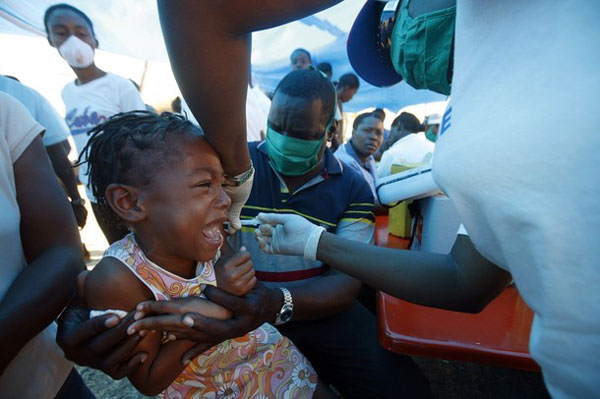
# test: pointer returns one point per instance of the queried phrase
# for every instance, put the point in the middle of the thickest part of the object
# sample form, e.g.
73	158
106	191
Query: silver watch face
285	315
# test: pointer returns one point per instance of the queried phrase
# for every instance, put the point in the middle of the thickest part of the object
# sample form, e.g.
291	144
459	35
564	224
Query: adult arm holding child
48	235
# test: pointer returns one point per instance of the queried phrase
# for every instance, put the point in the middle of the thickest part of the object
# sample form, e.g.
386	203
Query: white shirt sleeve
130	99
17	126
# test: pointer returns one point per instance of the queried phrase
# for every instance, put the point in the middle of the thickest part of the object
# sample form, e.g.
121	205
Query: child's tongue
212	233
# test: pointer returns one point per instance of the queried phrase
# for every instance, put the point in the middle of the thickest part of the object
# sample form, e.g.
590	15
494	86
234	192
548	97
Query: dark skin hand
101	342
175	316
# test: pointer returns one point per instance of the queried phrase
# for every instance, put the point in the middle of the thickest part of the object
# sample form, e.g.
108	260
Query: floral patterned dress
262	364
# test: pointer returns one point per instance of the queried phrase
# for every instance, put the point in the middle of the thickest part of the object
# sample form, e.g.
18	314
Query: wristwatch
238	180
287	310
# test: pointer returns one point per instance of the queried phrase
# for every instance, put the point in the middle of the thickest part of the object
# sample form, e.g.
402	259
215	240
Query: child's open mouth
212	234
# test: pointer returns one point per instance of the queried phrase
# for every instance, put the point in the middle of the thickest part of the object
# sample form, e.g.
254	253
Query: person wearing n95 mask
76	52
94	96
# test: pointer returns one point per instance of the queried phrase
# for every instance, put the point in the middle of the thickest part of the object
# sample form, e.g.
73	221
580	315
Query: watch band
287	309
238	180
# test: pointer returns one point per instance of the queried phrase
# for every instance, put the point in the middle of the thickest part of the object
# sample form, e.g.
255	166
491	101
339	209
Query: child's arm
112	286
235	273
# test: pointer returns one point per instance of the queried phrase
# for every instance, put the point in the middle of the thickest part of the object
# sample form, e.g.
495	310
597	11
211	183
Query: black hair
348	80
359	119
409	122
130	148
310	84
64	6
379	113
302	50
325	67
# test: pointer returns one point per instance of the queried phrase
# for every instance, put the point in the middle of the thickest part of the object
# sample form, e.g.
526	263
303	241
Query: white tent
132	28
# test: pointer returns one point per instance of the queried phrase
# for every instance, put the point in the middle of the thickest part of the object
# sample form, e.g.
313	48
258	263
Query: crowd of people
241	225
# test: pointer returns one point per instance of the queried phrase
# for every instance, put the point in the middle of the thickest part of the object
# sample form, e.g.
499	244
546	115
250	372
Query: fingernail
111	321
143	358
188	321
130	331
171	337
138	315
143	333
139	307
186	362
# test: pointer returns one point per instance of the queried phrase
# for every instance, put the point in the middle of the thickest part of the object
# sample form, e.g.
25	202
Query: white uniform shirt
411	149
520	162
92	103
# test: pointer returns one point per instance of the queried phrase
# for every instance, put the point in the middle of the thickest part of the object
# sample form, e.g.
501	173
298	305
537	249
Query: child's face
64	23
185	204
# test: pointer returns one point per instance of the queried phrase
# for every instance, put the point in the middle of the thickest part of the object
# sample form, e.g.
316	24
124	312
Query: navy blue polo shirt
338	199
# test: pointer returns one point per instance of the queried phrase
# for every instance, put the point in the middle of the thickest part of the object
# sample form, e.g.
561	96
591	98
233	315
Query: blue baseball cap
368	56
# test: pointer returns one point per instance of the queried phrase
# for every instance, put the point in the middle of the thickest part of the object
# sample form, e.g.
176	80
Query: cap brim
364	52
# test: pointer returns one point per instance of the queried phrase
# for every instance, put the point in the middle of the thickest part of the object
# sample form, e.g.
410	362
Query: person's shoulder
256	149
70	89
350	167
352	181
253	145
18	128
351	170
119	81
112	285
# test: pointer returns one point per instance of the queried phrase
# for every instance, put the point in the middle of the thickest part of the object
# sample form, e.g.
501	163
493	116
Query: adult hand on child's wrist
101	342
180	320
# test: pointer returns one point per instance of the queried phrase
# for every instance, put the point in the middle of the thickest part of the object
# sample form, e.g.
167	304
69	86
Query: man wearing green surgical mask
296	172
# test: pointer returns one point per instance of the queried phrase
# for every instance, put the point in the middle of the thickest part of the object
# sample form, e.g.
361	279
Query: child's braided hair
129	148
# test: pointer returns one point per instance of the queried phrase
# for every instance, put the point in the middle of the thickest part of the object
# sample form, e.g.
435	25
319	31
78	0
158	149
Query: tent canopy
132	28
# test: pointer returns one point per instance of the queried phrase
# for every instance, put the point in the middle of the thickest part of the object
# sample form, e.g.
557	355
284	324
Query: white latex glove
288	234
239	195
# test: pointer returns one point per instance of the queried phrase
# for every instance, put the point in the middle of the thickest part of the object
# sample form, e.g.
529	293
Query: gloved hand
288	235
239	195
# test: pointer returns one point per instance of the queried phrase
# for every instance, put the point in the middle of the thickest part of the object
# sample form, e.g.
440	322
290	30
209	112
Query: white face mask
76	52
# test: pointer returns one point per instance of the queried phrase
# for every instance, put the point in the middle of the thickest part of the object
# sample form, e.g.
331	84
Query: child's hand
235	274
